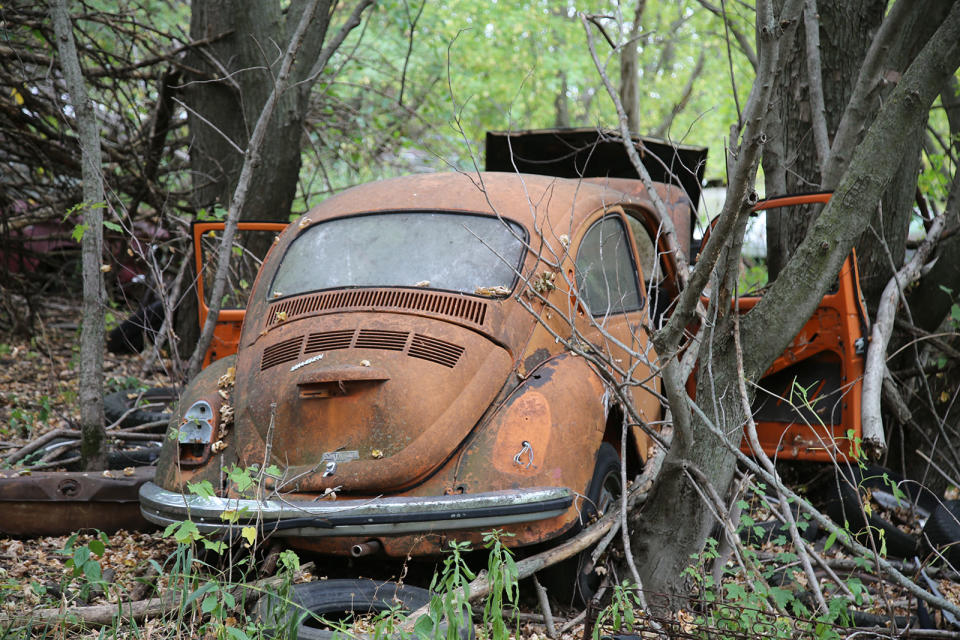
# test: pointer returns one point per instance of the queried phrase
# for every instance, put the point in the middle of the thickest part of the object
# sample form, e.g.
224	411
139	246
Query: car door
608	280
244	266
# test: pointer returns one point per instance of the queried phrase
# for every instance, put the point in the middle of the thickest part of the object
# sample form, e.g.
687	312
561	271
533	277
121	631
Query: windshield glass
456	252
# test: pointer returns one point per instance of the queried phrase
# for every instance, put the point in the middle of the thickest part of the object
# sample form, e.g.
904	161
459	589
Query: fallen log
100	615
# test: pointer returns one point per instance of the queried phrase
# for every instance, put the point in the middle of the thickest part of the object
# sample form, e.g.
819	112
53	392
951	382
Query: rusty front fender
545	434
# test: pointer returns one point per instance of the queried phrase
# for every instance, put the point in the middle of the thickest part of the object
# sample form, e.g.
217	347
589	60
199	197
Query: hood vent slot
435	350
374	339
448	305
281	352
329	341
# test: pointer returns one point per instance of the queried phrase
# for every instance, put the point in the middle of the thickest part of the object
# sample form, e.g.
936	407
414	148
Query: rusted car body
807	405
400	374
50	503
395	354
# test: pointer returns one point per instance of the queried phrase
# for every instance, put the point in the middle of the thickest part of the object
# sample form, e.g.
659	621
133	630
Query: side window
606	274
646	250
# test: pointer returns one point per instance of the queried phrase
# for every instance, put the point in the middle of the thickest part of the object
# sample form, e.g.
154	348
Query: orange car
400	374
388	357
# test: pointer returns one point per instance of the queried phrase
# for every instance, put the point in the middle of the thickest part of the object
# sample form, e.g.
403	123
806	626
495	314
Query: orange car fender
173	475
546	433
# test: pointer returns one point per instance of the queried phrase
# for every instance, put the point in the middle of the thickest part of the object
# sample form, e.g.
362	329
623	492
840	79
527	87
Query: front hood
368	402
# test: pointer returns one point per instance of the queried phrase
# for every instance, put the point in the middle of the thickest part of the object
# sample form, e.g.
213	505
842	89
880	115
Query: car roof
535	201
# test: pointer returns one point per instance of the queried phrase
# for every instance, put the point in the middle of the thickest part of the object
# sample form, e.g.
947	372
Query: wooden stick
104	614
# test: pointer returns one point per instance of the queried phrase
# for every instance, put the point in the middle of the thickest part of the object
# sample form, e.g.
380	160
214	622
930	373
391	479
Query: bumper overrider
356	517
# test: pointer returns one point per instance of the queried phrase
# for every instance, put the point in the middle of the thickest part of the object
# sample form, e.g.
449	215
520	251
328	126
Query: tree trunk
846	31
223	112
630	71
93	436
233	79
674	510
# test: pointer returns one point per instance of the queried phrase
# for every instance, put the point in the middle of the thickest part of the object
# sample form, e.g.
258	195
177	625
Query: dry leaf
105	268
281	316
128	471
376	453
218	446
364	363
423	283
498	290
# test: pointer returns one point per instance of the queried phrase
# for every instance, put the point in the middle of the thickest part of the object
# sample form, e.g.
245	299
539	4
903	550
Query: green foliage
84	568
25	417
504	589
451	599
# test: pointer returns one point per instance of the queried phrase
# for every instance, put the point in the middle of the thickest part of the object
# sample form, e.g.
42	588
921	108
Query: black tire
942	530
566	581
138	457
845	506
116	405
336	600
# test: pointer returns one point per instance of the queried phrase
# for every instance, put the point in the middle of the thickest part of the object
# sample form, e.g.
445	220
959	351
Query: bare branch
93	448
742	40
876	366
818	112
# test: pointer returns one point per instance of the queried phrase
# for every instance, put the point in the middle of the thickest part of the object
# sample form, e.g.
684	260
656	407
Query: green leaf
91	569
97	547
424	627
209	603
830	540
112	226
217	547
249	534
781	596
237	634
203	488
184	532
78	231
289	560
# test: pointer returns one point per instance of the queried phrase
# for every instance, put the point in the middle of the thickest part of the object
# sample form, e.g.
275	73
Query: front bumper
355	517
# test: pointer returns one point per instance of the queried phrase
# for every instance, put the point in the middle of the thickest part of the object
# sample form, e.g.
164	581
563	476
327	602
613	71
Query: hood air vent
281	352
448	305
328	341
421	346
390	340
435	350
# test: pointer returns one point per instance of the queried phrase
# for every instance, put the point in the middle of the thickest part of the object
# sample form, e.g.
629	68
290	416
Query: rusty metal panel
55	503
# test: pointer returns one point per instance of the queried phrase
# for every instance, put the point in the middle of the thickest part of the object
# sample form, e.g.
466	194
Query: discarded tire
297	616
566	581
942	530
845	505
154	406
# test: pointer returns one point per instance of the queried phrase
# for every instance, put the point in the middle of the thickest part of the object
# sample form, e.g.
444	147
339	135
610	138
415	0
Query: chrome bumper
352	517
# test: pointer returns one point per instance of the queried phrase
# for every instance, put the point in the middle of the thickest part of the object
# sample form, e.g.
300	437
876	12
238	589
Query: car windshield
456	252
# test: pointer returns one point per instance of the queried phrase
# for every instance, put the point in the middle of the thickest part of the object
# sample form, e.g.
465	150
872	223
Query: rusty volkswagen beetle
400	378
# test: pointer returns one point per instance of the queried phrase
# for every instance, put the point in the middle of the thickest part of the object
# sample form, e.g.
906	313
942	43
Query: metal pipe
365	548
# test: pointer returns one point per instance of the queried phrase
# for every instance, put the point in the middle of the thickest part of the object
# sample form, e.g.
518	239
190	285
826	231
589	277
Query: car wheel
942	530
121	406
844	506
566	581
335	600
